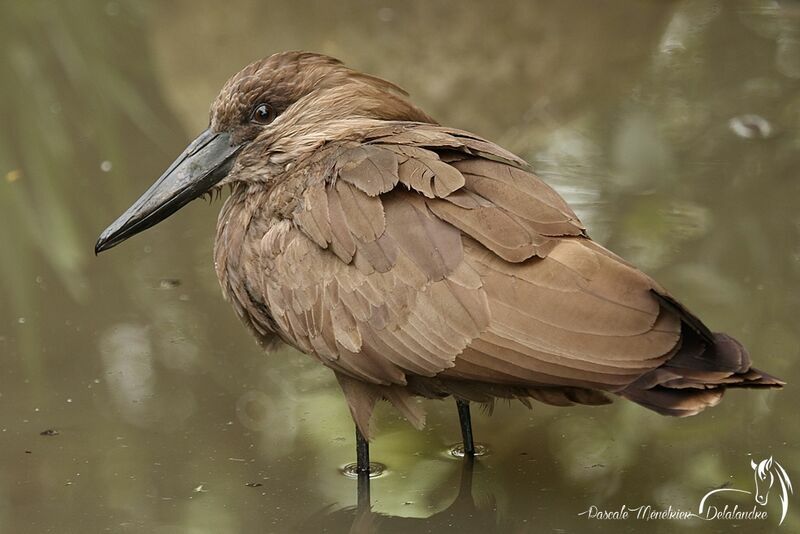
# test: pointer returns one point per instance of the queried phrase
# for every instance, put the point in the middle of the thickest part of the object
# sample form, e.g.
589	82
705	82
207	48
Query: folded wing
428	259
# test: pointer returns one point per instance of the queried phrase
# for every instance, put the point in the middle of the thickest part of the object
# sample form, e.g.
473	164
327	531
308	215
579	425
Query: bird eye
263	114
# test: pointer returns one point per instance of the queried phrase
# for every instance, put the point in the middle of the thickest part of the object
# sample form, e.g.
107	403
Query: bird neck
241	216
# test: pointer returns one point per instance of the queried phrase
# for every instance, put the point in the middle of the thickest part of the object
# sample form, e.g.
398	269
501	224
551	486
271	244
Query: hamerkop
415	259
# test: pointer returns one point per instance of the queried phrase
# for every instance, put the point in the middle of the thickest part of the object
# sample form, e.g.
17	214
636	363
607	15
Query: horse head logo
766	473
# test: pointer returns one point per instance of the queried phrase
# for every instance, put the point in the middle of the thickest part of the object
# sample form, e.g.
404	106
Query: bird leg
362	469
362	453
466	427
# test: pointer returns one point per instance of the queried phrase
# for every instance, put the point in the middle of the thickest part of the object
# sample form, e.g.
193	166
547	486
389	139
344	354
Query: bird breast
245	218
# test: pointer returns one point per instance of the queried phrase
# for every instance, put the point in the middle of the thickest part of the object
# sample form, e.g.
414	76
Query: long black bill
206	161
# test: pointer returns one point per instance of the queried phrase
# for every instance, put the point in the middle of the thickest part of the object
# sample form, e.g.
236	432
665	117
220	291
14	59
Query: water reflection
463	514
634	110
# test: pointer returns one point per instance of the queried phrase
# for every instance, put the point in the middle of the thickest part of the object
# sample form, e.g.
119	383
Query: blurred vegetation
165	407
77	112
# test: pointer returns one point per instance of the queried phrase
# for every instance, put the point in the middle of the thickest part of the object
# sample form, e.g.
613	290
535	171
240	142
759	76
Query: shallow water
672	127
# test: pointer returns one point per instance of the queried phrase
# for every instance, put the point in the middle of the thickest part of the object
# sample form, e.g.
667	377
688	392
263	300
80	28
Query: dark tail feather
696	377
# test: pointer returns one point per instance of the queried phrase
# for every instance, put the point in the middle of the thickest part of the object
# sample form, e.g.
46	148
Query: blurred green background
672	127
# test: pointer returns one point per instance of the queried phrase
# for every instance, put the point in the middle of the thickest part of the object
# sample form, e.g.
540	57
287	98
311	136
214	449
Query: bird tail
696	377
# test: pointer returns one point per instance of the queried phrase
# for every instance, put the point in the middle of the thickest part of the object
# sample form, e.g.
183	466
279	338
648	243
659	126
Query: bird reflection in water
463	514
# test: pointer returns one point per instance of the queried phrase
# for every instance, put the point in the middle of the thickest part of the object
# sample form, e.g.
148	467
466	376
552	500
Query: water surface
672	127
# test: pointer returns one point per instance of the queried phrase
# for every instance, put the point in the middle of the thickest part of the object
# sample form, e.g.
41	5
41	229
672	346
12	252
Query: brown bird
415	259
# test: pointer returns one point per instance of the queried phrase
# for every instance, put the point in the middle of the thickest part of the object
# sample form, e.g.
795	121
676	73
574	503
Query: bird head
269	115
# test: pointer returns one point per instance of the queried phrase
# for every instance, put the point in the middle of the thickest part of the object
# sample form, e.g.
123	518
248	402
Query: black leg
362	468
362	453
466	427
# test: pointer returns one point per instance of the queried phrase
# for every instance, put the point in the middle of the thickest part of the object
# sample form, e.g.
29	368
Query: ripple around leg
376	469
457	450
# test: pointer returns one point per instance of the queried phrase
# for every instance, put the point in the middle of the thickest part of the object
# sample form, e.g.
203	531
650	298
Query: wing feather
371	169
474	271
